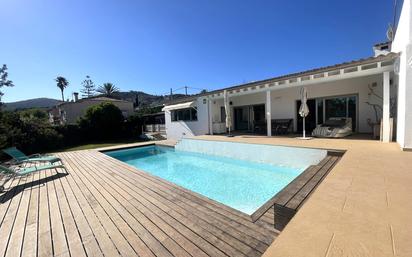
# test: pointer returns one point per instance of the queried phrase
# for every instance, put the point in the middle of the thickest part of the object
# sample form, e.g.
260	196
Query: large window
342	106
188	114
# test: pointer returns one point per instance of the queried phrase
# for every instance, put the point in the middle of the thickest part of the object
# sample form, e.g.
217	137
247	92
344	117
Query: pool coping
302	179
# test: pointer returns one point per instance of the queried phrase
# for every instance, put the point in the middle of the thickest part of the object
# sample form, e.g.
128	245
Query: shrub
103	121
29	131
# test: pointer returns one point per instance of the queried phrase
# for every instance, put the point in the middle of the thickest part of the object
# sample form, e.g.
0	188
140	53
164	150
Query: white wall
402	44
178	129
284	100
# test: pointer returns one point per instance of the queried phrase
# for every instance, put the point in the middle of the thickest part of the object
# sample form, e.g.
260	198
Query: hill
31	103
144	99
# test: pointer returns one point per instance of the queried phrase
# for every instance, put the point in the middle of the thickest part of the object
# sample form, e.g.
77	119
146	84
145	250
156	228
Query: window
188	114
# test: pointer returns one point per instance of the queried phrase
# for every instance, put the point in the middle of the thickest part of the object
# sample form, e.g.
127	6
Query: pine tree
88	87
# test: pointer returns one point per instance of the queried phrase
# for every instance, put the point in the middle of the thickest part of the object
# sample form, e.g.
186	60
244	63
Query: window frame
177	115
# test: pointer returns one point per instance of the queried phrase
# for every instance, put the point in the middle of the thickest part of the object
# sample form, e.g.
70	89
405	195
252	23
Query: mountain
145	100
31	103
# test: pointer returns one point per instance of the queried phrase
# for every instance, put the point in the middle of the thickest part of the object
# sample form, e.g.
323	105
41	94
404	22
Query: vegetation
31	131
4	81
62	83
103	121
88	89
108	89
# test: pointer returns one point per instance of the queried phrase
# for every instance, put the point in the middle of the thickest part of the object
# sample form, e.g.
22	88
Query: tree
102	121
108	89
88	87
62	83
4	81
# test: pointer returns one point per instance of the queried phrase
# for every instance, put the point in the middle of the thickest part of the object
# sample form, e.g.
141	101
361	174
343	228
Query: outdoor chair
19	157
281	126
9	173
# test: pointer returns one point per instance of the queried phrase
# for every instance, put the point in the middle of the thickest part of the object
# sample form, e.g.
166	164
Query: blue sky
153	45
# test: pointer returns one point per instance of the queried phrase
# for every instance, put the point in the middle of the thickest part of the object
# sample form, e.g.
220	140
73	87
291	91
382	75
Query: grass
98	145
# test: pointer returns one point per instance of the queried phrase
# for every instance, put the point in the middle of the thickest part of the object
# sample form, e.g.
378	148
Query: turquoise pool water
240	184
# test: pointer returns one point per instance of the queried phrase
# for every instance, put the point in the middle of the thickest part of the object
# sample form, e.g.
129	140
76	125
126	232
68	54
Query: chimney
382	48
76	96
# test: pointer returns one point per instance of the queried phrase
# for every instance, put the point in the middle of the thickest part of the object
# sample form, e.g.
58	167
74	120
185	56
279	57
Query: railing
154	128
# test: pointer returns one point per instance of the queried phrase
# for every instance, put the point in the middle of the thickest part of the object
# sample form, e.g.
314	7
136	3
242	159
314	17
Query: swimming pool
244	185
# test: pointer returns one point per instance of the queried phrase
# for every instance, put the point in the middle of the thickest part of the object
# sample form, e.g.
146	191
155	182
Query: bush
103	121
29	131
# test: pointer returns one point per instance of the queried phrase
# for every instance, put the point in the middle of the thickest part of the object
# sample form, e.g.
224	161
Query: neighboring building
70	112
154	122
349	89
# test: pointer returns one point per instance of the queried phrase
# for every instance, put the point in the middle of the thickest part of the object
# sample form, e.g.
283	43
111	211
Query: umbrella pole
304	133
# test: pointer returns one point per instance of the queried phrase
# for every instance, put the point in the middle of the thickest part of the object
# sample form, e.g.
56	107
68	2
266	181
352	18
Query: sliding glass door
339	107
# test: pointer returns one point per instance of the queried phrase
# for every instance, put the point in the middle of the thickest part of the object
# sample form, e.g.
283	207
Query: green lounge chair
9	173
20	157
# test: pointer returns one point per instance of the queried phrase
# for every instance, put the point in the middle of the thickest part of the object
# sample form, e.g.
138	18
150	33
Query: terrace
106	207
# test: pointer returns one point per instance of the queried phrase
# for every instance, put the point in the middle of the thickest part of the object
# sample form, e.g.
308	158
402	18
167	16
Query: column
386	108
268	114
209	103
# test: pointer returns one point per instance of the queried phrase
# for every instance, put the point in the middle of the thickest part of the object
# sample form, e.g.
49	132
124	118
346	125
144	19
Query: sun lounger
9	173
20	157
334	127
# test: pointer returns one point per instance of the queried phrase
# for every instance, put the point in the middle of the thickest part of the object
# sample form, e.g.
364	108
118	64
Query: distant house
70	112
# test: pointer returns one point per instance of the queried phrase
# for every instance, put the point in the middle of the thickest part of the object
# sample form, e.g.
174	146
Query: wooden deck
105	207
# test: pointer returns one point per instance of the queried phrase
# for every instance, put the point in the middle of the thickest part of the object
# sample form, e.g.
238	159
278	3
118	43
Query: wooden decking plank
109	222
222	234
120	228
7	197
205	214
88	238
290	190
17	234
142	226
60	245
299	198
7	224
99	231
74	241
31	235
45	247
142	214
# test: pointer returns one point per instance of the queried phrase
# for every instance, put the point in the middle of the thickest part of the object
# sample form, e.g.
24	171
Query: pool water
240	184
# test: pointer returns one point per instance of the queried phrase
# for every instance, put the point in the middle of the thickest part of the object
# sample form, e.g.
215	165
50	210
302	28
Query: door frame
323	98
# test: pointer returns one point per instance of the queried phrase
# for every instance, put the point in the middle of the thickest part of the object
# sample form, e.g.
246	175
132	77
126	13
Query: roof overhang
185	105
353	69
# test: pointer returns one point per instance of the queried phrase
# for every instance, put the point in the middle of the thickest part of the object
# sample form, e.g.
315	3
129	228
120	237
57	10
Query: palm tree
62	83
108	89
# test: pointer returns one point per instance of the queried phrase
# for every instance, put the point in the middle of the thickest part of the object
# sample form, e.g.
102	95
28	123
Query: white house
374	92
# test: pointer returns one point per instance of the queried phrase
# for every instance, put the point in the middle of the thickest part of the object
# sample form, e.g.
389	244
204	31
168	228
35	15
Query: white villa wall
179	129
403	44
284	100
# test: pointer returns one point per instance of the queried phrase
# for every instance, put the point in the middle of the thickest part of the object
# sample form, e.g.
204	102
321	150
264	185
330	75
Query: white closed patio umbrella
304	109
227	111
